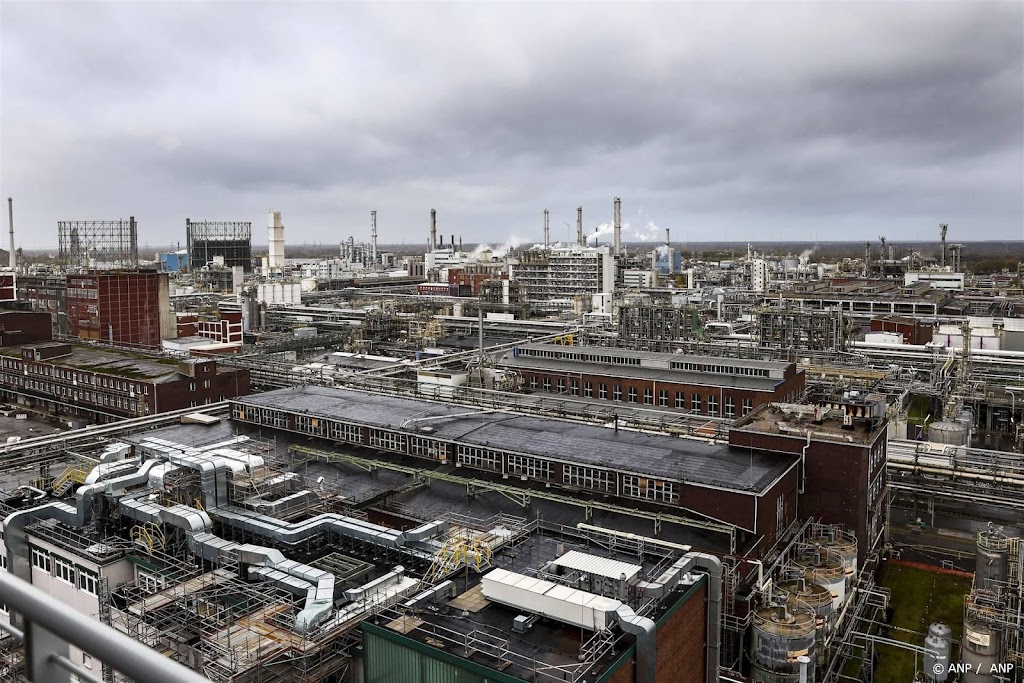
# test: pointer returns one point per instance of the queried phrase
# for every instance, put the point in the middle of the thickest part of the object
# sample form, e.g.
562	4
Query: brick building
842	448
24	327
914	331
704	385
104	385
122	307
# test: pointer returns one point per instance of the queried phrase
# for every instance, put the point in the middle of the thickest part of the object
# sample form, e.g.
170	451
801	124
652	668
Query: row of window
716	369
576	356
678	398
64	570
57	372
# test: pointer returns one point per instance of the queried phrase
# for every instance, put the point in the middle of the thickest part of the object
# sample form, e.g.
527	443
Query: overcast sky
718	120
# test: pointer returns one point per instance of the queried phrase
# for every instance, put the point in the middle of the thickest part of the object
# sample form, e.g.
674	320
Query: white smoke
805	255
651	234
514	241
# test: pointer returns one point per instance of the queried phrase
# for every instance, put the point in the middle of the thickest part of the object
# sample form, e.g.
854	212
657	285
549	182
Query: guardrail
49	628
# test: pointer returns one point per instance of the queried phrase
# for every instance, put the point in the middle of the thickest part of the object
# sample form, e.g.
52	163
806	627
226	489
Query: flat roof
772	420
673	458
103	360
662	356
634	372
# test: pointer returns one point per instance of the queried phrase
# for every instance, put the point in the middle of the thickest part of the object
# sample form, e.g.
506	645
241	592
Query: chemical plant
578	461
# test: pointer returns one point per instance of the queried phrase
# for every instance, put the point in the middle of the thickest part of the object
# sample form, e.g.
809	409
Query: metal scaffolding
229	240
105	245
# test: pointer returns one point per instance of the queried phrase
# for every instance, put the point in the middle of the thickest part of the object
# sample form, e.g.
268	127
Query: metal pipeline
646	642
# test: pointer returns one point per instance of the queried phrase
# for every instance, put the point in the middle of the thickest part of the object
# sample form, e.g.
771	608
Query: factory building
798	329
738	488
842	449
127	307
560	279
103	384
702	385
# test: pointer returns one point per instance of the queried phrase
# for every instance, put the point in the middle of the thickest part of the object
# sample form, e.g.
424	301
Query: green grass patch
919	598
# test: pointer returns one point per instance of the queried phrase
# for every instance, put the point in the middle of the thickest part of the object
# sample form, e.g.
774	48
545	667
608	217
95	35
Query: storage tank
844	546
779	637
826	571
979	649
953	433
936	659
803	595
992	565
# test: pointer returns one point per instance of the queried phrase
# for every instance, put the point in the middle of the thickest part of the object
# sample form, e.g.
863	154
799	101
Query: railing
49	629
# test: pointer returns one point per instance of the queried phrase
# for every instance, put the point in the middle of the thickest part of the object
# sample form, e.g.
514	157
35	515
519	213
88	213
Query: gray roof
668	457
634	372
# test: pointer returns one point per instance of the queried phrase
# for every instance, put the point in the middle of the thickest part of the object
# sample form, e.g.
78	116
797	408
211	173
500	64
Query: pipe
40	494
579	226
373	235
433	230
803	463
646	642
804	661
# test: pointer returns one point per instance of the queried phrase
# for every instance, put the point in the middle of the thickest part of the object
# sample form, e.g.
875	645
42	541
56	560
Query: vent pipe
618	227
433	230
10	219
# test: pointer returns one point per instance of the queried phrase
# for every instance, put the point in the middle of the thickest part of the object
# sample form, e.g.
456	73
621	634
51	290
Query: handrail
50	627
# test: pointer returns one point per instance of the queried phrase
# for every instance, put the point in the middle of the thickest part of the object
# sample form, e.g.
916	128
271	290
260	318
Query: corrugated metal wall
388	662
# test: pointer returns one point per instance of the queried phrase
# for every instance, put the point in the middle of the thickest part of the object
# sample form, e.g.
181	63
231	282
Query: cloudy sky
718	120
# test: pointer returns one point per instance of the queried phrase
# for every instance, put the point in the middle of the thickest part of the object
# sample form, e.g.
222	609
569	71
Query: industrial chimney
579	226
546	233
433	230
373	235
10	217
668	252
618	227
943	227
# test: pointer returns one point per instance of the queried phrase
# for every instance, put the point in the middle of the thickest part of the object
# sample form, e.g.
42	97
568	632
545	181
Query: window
712	404
574	387
663	398
730	406
649	489
479	457
191	386
695	403
533	381
632	394
344	432
310	425
602	391
151	583
534	468
547	384
617	393
748	405
588	478
64	570
680	400
561	385
387	441
41	559
87	581
428	448
588	389
648	396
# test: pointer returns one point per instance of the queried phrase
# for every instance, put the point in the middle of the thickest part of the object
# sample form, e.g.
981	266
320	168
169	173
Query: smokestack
579	226
618	227
668	252
10	218
460	243
453	242
373	234
433	230
942	233
546	242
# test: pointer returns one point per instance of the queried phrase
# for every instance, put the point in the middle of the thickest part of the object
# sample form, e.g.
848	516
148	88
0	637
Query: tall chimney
10	218
453	242
668	252
579	226
942	233
373	235
618	227
433	230
546	230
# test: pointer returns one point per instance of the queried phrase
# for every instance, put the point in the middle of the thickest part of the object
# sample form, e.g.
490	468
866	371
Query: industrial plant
576	461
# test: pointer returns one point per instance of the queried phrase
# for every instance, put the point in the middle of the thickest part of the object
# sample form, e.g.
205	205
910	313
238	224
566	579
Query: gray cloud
719	120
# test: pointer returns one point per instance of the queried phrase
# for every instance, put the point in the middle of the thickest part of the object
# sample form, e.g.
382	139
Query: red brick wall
680	644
